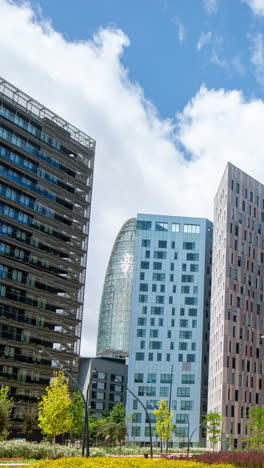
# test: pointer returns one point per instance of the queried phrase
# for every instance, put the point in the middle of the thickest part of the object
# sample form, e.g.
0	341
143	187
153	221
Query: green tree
77	415
54	416
6	405
256	427
29	421
163	422
213	427
116	423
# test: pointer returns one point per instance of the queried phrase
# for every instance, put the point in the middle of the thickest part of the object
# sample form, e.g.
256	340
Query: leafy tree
256	427
163	421
116	426
54	416
213	427
93	428
77	415
29	421
6	405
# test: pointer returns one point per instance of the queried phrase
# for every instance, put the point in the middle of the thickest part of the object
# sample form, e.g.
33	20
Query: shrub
108	462
247	459
34	450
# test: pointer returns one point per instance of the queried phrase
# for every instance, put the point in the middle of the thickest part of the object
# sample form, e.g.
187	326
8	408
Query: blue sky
163	56
171	90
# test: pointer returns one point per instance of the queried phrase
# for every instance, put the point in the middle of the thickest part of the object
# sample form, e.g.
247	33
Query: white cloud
238	65
257	57
180	28
138	166
257	6
211	6
204	39
218	61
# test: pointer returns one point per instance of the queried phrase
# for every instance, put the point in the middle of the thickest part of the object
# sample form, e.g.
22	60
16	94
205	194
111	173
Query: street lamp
85	432
86	414
147	414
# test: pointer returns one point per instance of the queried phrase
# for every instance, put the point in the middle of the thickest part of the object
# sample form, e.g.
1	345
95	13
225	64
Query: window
159	299
181	419
157	310
144	225
135	431
144	265
181	431
188	378
157	265
141	332
189	245
165	378
187	405
191	300
173	244
143	287
159	226
183	346
193	257
142	321
175	227
153	333
136	418
158	277
145	243
152	378
143	298
185	335
140	356
161	254
184	323
162	244
138	378
155	345
194	267
192	312
187	278
185	289
191	228
190	357
135	404
164	391
183	391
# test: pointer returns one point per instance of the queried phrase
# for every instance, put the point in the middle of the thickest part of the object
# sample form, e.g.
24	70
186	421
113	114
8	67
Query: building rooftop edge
41	112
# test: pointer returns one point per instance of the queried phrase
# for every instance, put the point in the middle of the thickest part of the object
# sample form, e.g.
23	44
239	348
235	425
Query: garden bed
123	462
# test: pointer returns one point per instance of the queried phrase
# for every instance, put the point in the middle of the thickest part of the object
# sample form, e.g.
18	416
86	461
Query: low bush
111	462
246	459
34	450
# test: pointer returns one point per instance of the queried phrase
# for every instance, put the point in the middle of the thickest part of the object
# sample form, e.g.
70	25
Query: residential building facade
46	167
104	381
115	309
236	348
169	325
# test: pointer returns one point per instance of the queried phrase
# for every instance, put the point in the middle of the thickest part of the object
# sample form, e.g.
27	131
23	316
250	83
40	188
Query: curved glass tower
114	317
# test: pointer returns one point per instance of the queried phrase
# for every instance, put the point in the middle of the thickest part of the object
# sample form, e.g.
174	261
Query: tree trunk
54	446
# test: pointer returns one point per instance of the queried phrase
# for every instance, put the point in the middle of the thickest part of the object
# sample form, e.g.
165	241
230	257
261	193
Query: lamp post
147	415
85	432
86	414
190	438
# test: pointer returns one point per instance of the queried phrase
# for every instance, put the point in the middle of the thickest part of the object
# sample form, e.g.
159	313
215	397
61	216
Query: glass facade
46	169
115	309
169	331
